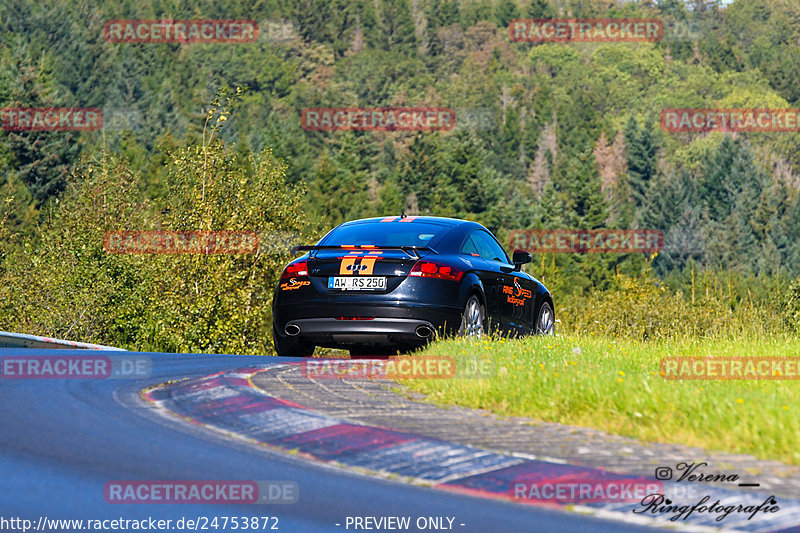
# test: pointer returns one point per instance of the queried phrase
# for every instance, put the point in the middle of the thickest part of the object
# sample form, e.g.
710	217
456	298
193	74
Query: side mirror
520	258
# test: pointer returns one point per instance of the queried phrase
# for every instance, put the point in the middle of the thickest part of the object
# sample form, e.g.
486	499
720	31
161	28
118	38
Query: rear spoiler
406	249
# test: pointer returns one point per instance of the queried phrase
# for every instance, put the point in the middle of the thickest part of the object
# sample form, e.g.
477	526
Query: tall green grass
602	369
614	385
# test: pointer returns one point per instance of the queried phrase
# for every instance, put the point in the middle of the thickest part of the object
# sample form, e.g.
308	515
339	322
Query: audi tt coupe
394	283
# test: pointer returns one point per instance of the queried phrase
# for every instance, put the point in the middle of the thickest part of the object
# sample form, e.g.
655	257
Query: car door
497	275
514	289
488	279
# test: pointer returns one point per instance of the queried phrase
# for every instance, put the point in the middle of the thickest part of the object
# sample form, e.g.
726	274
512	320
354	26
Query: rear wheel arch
472	285
477	291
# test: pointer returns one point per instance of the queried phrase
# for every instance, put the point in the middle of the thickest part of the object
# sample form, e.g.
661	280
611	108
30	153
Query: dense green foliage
63	282
547	135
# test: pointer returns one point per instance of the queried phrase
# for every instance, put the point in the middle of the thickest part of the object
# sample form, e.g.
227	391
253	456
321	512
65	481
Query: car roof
448	241
445	221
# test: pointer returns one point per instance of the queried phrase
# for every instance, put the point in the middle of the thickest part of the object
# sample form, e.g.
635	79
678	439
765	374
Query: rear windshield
387	234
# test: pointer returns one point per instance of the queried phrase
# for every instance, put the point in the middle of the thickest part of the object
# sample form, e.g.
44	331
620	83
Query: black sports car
396	282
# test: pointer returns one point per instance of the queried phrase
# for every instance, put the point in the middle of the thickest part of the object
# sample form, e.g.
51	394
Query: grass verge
614	385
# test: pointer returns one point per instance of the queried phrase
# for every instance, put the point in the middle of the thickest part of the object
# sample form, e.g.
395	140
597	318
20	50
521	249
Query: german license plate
357	283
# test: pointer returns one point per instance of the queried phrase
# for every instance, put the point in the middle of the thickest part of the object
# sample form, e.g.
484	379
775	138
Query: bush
791	309
62	283
643	308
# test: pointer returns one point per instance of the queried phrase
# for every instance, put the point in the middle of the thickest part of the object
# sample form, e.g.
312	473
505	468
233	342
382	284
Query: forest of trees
547	135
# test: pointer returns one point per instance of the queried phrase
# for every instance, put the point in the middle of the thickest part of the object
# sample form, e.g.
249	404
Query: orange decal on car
346	267
369	263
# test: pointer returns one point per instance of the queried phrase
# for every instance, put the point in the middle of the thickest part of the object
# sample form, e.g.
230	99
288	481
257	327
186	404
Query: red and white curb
229	403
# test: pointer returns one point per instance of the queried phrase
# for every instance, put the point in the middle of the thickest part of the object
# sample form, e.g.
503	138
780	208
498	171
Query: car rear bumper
375	331
338	325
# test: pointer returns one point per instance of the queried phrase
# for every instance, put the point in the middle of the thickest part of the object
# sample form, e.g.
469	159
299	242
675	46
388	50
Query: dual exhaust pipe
422	332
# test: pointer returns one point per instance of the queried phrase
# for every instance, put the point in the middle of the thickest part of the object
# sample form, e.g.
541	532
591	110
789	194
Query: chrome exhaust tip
424	332
292	330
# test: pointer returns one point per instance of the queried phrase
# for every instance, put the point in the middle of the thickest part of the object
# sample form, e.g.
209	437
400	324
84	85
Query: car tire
473	319
290	346
545	320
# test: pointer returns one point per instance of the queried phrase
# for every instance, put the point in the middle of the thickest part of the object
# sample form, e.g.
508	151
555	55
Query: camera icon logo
663	473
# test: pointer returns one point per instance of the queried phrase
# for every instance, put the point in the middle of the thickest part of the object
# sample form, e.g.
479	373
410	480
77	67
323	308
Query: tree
724	175
283	135
41	159
641	147
419	169
313	18
731	189
505	12
466	181
439	14
672	207
67	285
395	28
578	198
340	190
539	9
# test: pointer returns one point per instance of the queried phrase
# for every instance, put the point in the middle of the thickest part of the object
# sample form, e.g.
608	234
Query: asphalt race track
62	440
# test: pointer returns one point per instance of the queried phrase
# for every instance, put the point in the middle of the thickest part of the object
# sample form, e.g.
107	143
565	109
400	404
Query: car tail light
429	269
295	269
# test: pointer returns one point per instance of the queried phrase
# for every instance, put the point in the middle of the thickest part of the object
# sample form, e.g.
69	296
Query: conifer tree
40	159
641	148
